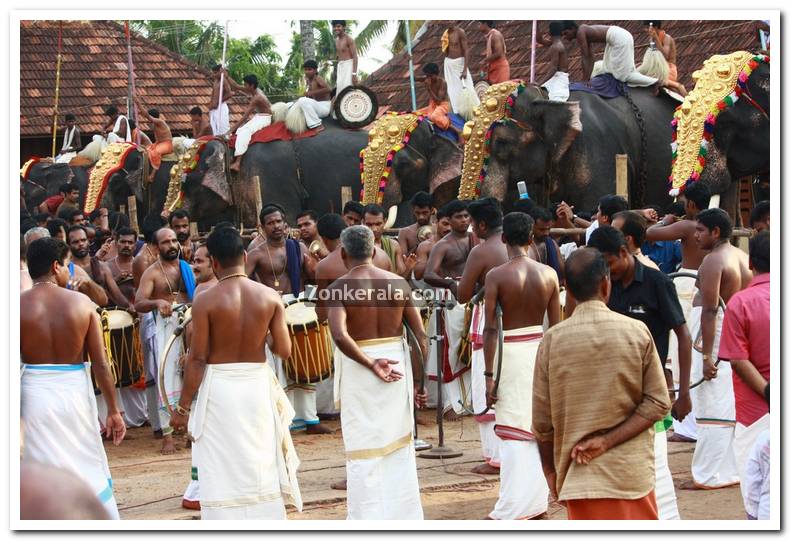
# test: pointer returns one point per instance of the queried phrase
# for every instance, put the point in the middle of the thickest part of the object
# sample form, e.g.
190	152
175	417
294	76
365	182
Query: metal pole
411	66
57	90
222	72
533	53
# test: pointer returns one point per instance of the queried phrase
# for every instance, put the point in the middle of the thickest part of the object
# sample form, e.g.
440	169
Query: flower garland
709	125
395	149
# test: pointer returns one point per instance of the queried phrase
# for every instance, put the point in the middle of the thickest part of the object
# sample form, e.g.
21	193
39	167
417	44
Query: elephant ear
557	122
445	162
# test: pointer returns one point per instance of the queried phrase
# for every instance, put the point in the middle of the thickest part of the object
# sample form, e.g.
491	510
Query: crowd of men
555	420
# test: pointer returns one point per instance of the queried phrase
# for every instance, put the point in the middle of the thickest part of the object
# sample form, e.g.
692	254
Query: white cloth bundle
558	86
619	58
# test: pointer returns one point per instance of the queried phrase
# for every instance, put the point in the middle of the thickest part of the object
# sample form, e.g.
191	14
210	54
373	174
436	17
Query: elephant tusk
391	216
714	202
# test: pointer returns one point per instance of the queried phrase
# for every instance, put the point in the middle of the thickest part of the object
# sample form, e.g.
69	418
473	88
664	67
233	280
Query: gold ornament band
111	161
387	136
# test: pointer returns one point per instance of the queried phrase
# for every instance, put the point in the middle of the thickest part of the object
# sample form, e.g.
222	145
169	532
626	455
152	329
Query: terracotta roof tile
696	40
94	75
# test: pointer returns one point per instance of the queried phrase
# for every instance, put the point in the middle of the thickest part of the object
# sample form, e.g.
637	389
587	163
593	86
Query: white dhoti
461	92
664	489
60	425
313	110
524	492
756	483
456	375
744	438
173	372
148	341
490	443
558	86
245	132
619	58
220	120
343	75
243	450
192	494
325	402
713	463
131	402
686	290
65	158
93	150
376	418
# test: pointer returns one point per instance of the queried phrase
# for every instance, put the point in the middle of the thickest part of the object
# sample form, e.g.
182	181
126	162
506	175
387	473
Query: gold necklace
234	275
272	265
519	255
45	283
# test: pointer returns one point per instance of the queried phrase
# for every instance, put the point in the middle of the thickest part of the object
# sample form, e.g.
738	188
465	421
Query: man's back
592	372
53	340
380	312
731	264
524	292
240	313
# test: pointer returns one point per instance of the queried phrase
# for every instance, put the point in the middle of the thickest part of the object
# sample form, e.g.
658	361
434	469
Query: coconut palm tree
375	29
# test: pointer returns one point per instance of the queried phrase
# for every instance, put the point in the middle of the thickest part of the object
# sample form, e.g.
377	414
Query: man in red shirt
745	343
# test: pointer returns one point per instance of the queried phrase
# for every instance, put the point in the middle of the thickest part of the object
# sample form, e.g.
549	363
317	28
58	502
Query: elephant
545	148
45	178
304	173
741	143
429	163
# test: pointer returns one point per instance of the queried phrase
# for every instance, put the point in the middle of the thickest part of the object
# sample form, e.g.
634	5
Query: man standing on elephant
494	64
421	210
315	104
261	111
285	265
219	115
557	85
346	52
461	90
618	51
163	139
374	219
487	224
695	199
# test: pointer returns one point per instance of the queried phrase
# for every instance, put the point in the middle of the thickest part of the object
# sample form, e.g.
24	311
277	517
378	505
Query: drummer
121	264
168	281
285	265
422	209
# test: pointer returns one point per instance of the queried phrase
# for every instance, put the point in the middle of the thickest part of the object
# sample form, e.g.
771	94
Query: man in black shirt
648	295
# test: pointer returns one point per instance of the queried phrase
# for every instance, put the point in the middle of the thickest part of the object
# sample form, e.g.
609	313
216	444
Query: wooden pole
122	208
132	202
57	90
346	196
194	231
622	175
131	109
259	203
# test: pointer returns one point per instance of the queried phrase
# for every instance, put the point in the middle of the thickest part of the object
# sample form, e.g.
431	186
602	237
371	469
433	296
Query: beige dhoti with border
490	443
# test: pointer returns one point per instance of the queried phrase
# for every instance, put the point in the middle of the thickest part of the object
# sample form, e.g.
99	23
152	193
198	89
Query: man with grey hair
35	233
367	307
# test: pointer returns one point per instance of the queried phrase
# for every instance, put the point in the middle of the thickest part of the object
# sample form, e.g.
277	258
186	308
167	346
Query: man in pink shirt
745	343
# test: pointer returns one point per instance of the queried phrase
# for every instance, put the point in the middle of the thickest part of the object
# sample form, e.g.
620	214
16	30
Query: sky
281	29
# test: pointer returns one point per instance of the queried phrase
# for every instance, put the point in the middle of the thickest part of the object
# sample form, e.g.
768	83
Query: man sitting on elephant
261	111
163	139
72	140
618	51
315	104
438	104
200	124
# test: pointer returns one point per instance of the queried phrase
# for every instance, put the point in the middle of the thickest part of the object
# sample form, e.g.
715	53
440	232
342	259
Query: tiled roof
695	40
94	76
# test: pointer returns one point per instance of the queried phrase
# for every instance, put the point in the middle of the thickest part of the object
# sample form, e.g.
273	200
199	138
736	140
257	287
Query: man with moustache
167	282
308	233
98	271
421	210
374	219
353	213
201	265
487	224
121	265
179	222
424	248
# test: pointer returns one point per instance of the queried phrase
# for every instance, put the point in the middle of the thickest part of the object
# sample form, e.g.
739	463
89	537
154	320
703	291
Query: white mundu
376	420
523	488
243	449
558	86
714	462
166	326
455	391
61	427
220	120
456	86
313	110
344	75
490	442
619	58
245	133
685	289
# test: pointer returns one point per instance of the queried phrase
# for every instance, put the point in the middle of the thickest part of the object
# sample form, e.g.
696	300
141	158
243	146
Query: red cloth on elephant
275	132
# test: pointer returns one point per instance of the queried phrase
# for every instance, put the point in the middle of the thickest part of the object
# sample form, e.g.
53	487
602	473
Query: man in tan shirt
593	413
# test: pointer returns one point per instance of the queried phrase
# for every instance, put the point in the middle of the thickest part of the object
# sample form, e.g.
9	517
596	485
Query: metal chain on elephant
304	195
639	192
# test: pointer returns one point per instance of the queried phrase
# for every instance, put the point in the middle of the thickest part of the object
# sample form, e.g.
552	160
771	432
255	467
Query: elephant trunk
496	182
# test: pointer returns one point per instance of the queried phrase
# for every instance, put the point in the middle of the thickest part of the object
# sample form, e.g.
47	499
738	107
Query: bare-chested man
374	219
179	222
487	224
494	65
346	53
285	265
117	126
163	285
525	291
438	105
200	124
241	418
315	104
449	255
353	213
98	271
163	139
723	272
421	210
201	265
260	110
557	82
59	420
308	234
666	44
457	76
443	227
121	265
219	114
373	359
618	51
